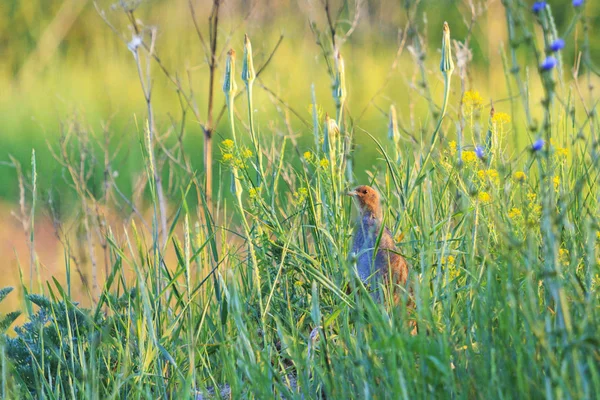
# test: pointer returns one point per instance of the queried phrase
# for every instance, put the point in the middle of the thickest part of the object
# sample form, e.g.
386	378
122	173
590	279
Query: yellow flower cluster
450	263
308	155
501	118
519	176
560	152
484	197
450	260
246	153
534	209
300	195
472	100
254	192
227	145
324	163
596	278
489	175
556	182
469	157
229	154
514	213
563	256
452	147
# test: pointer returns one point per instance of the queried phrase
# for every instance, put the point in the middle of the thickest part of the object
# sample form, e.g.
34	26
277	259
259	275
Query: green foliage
4	292
60	344
7	320
256	295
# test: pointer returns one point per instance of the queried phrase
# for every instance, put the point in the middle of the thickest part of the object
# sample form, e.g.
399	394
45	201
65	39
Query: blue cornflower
537	145
538	6
578	3
480	152
548	64
557	45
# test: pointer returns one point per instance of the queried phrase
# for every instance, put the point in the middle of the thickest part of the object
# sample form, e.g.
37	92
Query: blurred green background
61	62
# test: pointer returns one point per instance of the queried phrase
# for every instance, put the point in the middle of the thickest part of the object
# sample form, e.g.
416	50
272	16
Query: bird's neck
370	216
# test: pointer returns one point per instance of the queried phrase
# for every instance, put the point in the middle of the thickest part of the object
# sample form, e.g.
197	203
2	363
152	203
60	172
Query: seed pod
248	73
446	65
331	134
339	83
229	85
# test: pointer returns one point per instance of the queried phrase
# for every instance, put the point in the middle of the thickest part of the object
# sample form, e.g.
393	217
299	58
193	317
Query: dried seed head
339	83
248	73
446	65
332	127
229	85
393	132
331	132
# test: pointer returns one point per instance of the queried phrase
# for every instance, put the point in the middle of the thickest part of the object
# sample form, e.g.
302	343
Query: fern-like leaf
4	292
8	319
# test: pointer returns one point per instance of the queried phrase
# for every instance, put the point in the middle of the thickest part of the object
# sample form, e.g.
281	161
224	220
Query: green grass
256	286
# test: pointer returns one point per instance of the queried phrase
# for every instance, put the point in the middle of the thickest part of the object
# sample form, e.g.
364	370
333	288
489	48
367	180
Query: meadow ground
139	273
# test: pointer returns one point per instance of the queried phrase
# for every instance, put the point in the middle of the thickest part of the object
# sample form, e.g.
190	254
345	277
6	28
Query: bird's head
367	199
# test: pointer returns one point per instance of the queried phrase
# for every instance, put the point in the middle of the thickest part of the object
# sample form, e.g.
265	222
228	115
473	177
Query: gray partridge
387	262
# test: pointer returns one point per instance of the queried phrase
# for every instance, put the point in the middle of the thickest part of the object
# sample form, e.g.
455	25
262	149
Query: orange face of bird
367	199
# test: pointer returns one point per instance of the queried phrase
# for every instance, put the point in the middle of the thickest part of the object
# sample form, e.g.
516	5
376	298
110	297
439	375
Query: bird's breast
364	244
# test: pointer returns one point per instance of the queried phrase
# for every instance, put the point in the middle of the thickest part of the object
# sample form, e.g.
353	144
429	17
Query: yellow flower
519	176
449	262
556	182
514	213
484	197
452	146
454	272
246	153
596	278
227	144
501	118
227	157
535	212
324	163
563	256
531	197
469	157
472	99
300	195
238	163
307	155
489	174
254	192
562	152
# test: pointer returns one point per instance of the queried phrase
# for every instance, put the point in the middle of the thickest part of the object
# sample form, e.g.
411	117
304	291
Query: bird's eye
364	192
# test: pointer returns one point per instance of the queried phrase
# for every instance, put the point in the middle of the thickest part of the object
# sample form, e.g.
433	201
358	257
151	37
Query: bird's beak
351	193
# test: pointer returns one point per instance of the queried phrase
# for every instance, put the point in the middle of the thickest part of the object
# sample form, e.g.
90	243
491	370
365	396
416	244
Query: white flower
136	42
